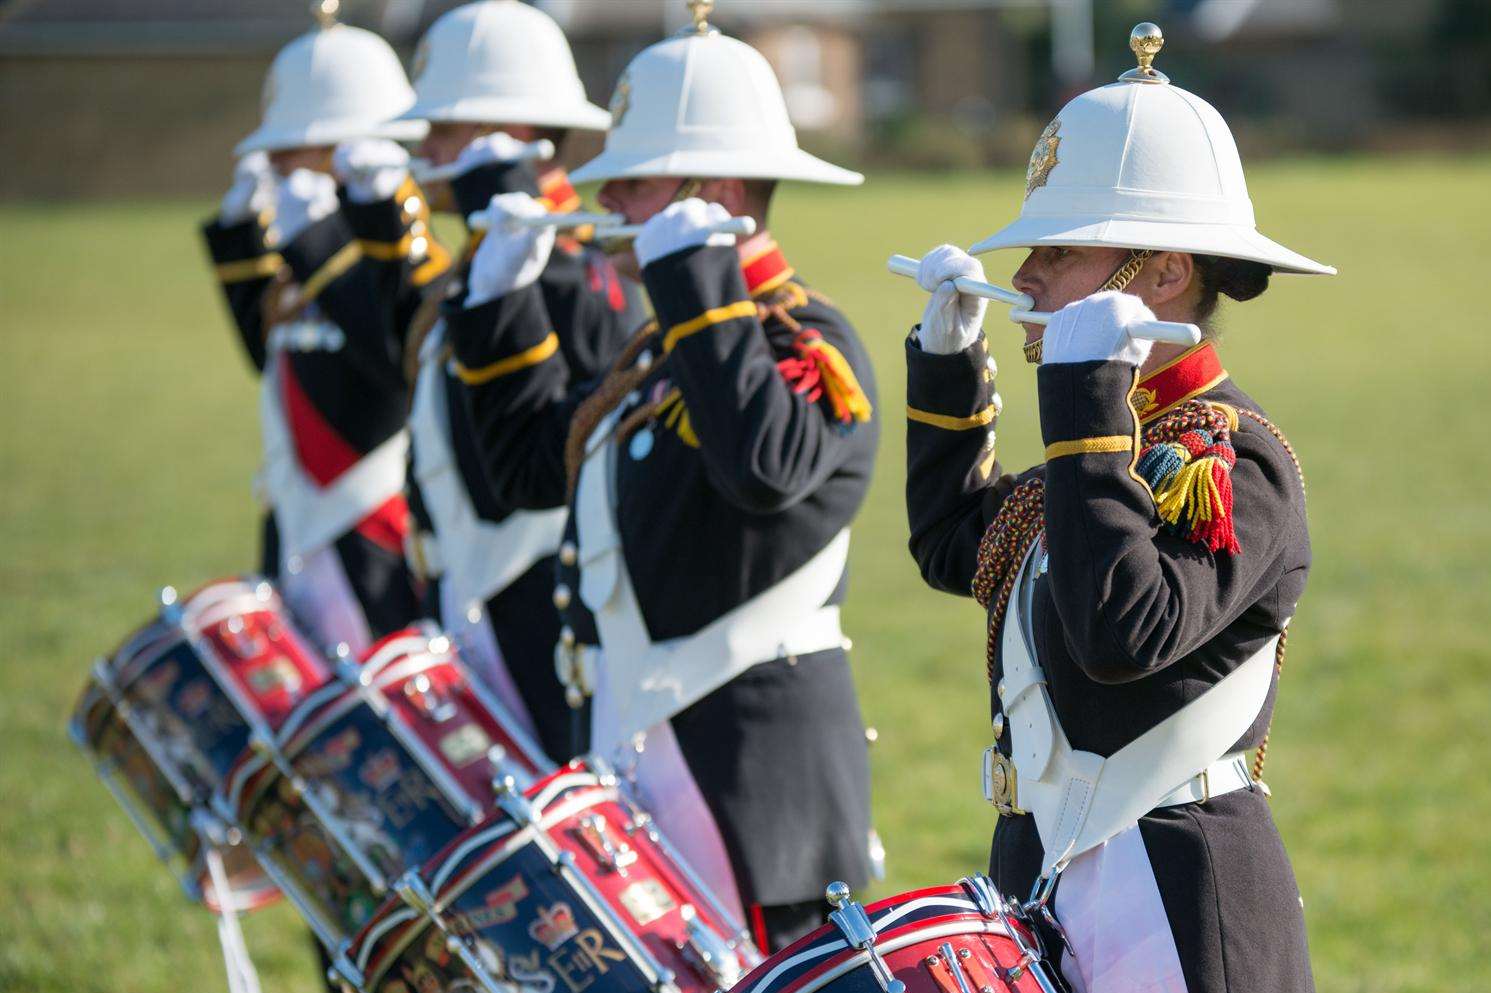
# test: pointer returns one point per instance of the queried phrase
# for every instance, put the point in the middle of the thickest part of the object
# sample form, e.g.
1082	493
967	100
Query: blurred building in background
143	97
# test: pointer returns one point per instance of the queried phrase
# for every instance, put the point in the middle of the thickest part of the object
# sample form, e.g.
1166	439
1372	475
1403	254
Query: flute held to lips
607	226
533	151
1024	311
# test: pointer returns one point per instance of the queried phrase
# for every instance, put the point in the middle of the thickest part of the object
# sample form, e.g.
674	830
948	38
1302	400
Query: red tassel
1218	533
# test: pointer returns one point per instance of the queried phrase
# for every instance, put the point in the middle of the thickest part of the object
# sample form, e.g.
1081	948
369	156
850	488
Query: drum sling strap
477	558
1080	799
642	681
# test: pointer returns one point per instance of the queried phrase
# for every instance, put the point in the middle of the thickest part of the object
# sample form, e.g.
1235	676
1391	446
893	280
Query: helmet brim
1226	240
795	165
270	139
501	110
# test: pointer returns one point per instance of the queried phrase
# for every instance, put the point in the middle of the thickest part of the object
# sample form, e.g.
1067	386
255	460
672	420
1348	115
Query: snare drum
372	774
569	888
948	939
164	717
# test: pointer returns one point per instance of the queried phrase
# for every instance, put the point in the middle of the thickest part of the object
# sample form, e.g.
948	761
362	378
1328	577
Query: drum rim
888	935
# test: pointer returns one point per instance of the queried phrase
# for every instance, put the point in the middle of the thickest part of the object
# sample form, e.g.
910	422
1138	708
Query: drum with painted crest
966	938
373	774
569	888
164	717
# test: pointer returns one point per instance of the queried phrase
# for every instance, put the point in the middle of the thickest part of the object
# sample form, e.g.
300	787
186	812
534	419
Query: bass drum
165	715
571	887
372	775
947	939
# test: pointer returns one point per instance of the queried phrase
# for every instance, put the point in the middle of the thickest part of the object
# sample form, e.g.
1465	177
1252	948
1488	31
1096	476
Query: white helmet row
1142	164
331	85
500	62
700	105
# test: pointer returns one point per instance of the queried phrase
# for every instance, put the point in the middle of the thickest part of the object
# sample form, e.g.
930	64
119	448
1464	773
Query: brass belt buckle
1001	783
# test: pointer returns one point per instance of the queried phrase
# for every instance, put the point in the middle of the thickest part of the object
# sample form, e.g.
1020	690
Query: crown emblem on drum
555	926
1042	158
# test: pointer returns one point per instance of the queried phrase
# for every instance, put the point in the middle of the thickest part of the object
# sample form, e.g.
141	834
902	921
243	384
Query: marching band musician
321	249
1139	581
711	477
491	77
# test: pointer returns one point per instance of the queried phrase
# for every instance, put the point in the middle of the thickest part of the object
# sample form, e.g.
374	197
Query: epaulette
816	369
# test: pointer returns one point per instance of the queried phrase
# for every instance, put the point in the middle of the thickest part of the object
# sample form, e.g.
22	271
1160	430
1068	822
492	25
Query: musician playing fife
1139	581
711	476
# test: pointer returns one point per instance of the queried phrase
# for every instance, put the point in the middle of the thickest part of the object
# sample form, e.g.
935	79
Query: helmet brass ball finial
701	9
325	12
1145	41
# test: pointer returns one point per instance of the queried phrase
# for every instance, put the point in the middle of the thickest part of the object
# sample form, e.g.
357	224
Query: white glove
372	169
301	199
252	192
487	149
678	226
1095	329
511	256
951	321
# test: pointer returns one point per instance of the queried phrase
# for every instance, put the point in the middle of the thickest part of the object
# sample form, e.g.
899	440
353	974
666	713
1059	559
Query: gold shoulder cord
1260	756
1119	280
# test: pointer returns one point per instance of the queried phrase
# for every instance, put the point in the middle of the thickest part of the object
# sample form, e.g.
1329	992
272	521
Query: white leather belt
1223	776
1080	799
640	681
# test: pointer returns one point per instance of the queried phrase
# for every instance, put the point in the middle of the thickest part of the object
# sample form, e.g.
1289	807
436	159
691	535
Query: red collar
766	270
1187	375
558	194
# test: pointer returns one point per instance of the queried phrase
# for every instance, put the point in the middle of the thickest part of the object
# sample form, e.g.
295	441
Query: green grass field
130	437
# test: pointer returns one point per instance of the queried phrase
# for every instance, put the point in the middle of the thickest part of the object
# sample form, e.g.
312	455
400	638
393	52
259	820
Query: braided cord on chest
1020	523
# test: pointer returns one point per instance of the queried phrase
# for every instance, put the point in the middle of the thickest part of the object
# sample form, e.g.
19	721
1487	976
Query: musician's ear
1168	275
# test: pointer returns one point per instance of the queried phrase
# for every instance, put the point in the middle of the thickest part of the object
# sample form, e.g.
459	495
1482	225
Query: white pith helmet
500	62
1142	164
703	105
330	85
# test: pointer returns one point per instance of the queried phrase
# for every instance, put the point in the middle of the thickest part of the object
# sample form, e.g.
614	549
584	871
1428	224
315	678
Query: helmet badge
1043	158
621	100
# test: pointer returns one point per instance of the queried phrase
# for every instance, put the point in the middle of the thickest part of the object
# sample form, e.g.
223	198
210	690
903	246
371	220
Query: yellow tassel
1191	494
840	383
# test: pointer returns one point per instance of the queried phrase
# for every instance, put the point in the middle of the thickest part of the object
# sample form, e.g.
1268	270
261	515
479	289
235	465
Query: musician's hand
490	149
372	169
301	199
1095	329
252	192
951	321
511	255
678	226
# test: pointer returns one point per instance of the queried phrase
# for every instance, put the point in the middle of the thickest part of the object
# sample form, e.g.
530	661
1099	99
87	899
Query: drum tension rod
854	924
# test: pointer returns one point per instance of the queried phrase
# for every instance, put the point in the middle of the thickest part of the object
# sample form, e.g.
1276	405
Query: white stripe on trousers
321	598
666	789
1118	936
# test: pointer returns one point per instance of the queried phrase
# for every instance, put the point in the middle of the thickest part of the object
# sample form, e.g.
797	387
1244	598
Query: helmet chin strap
687	188
1121	278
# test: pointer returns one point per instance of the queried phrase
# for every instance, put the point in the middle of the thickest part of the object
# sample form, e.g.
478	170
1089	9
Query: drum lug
344	971
596	836
712	956
413	891
512	801
854	924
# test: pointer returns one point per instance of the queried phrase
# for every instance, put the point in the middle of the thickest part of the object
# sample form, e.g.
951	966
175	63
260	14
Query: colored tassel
820	370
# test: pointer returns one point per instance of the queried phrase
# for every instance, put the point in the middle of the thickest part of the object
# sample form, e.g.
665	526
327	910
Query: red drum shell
911	929
497	873
198	680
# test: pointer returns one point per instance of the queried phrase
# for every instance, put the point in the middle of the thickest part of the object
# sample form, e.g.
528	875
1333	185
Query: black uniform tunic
750	469
363	269
1132	622
593	311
